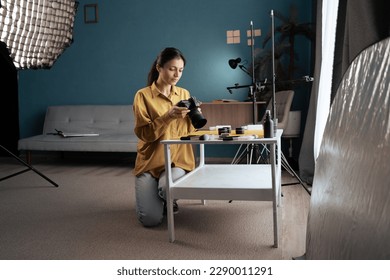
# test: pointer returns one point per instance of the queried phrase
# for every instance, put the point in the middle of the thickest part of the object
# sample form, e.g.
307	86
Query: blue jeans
150	195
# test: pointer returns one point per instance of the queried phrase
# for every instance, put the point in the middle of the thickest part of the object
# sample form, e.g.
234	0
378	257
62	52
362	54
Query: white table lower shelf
225	182
256	182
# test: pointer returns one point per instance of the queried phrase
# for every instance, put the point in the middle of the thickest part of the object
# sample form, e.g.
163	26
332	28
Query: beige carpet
91	216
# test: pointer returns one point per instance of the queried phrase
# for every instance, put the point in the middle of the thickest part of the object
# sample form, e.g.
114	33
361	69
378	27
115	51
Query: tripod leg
236	156
243	155
291	171
263	158
248	151
29	168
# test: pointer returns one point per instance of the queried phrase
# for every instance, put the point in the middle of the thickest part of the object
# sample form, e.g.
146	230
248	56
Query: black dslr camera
197	119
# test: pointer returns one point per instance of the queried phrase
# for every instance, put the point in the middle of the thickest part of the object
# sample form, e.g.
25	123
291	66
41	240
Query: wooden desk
227	181
235	114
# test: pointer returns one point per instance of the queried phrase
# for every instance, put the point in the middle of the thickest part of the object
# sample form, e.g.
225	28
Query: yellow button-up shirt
153	124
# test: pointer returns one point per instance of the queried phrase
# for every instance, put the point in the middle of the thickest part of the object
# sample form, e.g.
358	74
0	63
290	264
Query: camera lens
198	121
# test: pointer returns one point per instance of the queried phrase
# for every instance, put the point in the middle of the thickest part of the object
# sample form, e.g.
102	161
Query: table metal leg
274	196
169	181
171	222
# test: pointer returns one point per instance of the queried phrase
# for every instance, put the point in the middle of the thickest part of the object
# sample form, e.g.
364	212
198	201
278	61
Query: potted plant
285	54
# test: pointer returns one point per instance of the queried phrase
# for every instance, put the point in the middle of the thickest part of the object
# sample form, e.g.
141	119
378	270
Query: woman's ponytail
153	73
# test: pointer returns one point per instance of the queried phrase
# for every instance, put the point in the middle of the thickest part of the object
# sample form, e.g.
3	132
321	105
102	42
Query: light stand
249	150
284	162
252	88
273	73
25	170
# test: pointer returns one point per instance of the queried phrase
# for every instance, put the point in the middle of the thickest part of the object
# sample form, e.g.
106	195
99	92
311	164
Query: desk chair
283	105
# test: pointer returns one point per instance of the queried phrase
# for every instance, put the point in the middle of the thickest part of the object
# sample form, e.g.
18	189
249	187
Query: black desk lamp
233	63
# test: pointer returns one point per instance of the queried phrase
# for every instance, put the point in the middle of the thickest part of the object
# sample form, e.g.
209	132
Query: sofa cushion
102	119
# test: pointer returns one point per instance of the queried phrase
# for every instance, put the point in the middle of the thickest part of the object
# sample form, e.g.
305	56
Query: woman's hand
178	112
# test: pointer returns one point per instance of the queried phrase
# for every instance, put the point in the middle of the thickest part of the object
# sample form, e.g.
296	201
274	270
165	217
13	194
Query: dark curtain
306	155
360	24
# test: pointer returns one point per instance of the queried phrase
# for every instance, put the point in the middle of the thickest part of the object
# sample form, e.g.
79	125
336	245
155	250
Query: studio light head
36	32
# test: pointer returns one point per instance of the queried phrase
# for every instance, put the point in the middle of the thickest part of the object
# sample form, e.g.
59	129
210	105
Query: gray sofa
114	125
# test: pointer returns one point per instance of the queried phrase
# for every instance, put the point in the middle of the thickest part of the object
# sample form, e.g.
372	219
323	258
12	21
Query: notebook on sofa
69	134
73	134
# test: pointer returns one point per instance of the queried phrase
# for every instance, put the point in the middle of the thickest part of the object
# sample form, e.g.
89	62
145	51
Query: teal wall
108	61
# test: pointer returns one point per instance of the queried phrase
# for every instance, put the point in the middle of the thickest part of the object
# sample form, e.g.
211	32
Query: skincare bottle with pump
268	125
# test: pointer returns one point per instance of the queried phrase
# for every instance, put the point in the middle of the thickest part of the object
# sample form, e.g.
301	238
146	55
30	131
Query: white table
255	182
